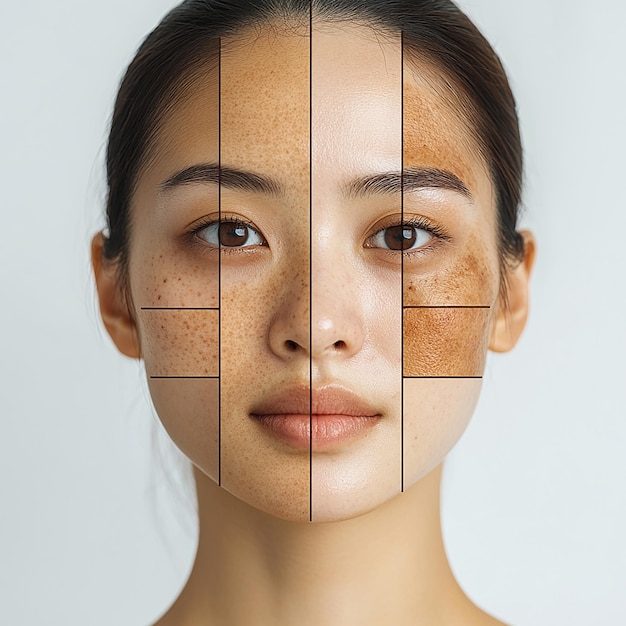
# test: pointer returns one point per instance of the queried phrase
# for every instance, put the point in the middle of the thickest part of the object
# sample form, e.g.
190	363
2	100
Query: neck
387	566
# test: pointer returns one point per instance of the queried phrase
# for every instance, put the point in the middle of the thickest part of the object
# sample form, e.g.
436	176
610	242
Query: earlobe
512	314
116	316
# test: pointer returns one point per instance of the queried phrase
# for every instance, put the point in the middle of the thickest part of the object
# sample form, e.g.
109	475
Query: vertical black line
310	261
219	264
402	266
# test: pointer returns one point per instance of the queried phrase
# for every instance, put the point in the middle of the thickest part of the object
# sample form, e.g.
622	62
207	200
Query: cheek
446	318
189	411
445	342
436	412
174	279
180	343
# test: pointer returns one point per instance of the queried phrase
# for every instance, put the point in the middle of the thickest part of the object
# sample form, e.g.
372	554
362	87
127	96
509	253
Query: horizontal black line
448	306
195	377
179	308
442	377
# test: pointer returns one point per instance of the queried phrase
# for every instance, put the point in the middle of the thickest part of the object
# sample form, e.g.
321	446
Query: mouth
321	418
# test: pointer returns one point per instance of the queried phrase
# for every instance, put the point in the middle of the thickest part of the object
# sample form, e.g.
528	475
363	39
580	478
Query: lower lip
327	431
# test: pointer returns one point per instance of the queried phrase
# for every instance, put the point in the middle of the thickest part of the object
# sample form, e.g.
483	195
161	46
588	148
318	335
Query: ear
512	312
114	309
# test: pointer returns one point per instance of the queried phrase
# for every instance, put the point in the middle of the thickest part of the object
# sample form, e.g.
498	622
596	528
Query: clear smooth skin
311	291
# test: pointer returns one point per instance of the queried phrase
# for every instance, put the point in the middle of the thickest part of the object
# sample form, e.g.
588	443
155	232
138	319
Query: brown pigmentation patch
463	280
442	338
429	139
445	342
463	271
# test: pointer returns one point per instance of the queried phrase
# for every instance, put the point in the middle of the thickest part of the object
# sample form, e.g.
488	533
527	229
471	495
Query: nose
319	316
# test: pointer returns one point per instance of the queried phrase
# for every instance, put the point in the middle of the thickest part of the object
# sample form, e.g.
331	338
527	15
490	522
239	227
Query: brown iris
400	237
233	234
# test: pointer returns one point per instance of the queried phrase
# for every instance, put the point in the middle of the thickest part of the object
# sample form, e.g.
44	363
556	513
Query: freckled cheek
180	343
191	282
180	350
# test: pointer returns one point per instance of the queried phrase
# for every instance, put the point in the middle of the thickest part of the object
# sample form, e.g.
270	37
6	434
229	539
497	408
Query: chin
338	506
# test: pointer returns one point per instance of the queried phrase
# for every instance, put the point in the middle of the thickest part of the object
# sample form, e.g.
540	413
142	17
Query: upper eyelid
417	221
203	223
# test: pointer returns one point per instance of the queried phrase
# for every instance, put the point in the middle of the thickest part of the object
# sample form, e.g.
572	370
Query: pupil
400	237
233	234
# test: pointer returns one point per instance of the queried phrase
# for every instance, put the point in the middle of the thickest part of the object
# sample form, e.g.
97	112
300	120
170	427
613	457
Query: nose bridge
290	325
316	307
335	320
296	291
329	266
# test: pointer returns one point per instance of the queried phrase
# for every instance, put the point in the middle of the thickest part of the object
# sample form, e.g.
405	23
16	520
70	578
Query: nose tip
334	335
318	315
338	334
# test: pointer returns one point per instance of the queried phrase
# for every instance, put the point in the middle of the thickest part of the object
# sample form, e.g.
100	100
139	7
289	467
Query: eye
401	237
231	234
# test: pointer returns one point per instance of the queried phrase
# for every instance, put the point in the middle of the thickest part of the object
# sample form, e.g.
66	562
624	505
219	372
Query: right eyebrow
231	178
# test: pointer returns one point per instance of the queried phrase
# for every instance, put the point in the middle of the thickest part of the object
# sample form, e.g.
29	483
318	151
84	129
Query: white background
91	532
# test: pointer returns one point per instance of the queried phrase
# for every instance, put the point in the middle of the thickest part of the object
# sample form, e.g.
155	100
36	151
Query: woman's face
300	312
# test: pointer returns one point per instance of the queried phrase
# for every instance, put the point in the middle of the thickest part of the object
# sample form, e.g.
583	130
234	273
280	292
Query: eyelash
438	234
196	240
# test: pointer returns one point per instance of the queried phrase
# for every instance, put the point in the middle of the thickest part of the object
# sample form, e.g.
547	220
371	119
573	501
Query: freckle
164	280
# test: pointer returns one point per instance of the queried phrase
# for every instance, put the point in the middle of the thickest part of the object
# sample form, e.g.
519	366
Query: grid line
402	258
310	261
219	263
444	377
447	306
186	377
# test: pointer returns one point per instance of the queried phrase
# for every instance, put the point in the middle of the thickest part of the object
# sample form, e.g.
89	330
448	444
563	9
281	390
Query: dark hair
188	38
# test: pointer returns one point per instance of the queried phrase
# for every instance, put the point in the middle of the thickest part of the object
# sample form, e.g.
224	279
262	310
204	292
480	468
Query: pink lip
332	415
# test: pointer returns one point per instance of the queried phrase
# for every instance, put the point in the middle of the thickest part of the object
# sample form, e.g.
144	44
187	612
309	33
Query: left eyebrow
410	179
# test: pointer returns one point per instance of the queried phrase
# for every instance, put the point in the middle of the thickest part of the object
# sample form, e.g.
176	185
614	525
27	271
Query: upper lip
327	400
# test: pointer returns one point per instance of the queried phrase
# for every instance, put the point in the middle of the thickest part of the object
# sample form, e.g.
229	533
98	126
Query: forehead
345	101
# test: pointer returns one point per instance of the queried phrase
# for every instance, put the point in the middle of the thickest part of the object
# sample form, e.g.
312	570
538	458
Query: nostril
292	346
339	345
